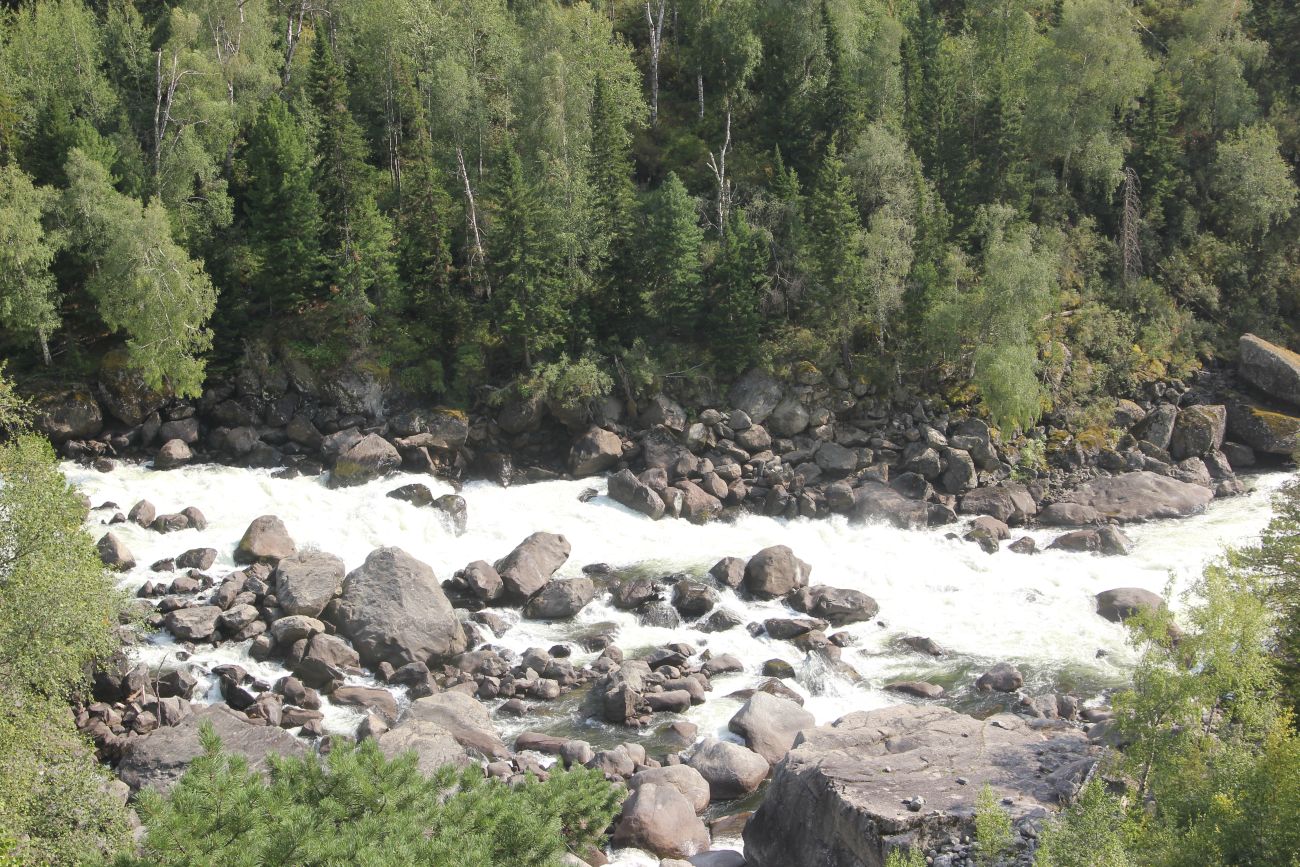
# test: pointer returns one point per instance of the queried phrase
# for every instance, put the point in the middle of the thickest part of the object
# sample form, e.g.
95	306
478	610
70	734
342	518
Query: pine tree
834	250
740	285
357	240
612	214
1157	150
841	112
281	213
670	264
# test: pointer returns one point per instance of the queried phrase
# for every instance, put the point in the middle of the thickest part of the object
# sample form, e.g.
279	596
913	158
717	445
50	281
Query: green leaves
1252	182
29	299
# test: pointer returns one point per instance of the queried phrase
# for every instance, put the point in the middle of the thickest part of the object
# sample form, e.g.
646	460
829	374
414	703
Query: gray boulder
840	606
769	724
393	610
197	623
683	778
665	411
174	453
73	414
561	598
836	460
114	553
434	746
729	572
755	394
158	760
464	718
1002	677
839	797
774	572
626	488
1198	431
370	458
916	688
1273	369
594	452
483	581
732	771
659	819
877	503
1141	496
527	569
1123	602
1158	427
306	581
265	541
789	418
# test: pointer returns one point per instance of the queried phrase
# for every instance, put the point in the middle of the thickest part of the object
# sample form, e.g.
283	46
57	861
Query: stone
483	581
73	414
1158	427
732	771
158	760
1121	603
846	792
1024	545
1273	369
789	418
114	553
698	506
775	571
1141	496
528	568
729	572
197	558
1263	430
877	503
1198	431
683	778
835	460
415	494
659	819
172	454
295	627
367	698
839	606
369	458
456	512
142	513
561	599
693	599
265	541
1068	515
306	581
1002	677
769	725
755	394
663	410
924	645
197	623
633	592
393	609
463	717
627	489
916	688
434	746
1106	540
594	452
184	429
123	391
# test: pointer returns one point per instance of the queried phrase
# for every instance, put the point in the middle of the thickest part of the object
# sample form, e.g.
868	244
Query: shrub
992	827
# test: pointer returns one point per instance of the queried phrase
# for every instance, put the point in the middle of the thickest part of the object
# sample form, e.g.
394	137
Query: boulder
1002	677
73	414
774	572
683	778
370	458
789	418
197	558
114	553
184	429
1198	431
483	581
693	599
769	724
265	541
455	511
594	452
368	698
463	717
755	394
627	489
561	598
123	391
1106	540
158	760
434	746
1123	602
877	503
174	453
1141	496
415	494
840	607
1158	427
198	623
295	627
732	771
663	410
1273	369
916	688
527	569
840	798
142	513
835	460
393	610
1263	430
442	429
729	572
1068	515
306	581
659	819
698	506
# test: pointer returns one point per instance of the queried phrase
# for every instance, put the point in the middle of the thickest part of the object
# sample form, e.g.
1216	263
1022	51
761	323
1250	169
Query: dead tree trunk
655	21
718	165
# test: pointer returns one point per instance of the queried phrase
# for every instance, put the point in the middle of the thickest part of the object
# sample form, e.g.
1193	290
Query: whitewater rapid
1035	611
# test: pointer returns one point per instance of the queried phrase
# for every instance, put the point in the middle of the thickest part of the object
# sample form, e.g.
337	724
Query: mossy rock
1264	430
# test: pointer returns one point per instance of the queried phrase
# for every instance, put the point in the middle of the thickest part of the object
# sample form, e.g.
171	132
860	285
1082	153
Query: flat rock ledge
907	775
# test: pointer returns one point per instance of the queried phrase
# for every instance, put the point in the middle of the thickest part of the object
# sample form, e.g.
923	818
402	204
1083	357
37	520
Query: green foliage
670	270
1090	833
570	386
912	858
357	807
993	829
1252	182
29	300
59	613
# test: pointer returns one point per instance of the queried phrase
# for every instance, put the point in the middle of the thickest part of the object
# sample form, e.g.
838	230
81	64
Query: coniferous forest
1032	200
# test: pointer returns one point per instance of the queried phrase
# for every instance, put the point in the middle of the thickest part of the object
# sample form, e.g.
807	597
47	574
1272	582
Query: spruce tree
610	244
670	263
740	285
834	299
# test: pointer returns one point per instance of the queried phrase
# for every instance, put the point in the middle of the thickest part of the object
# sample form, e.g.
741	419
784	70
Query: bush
357	807
570	386
992	827
1089	834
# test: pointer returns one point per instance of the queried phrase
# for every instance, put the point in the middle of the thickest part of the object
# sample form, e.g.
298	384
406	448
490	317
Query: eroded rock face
158	760
1272	369
393	610
1141	496
832	804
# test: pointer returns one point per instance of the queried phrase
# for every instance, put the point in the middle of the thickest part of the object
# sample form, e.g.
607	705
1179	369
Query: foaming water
1036	611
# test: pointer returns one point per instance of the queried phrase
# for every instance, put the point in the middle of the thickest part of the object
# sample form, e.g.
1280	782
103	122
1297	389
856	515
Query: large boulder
114	553
483	581
197	623
443	429
527	569
73	414
1264	430
306	581
594	452
663	410
774	572
158	760
1273	369
732	771
835	460
393	610
370	458
877	503
1141	496
841	606
683	778
840	797
1158	427
172	454
464	718
265	541
769	724
698	505
626	488
1122	603
756	394
561	598
1198	431
434	746
789	418
658	818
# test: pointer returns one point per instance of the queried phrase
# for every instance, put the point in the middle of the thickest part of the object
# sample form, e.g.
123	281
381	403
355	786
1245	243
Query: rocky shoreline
835	793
